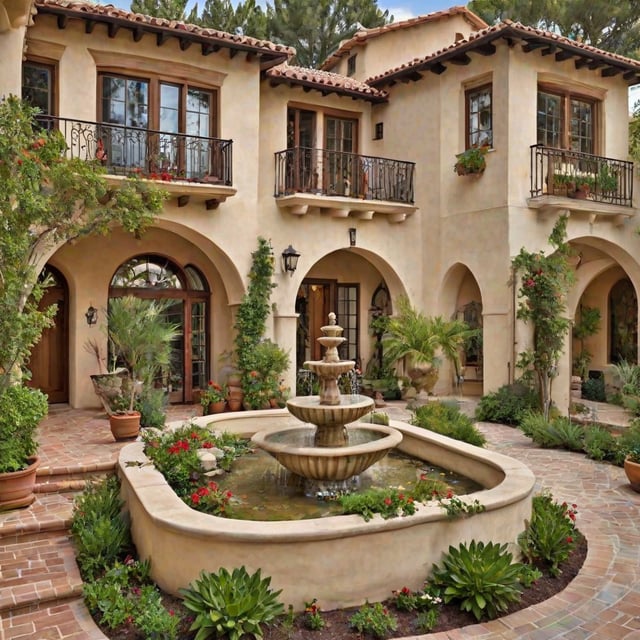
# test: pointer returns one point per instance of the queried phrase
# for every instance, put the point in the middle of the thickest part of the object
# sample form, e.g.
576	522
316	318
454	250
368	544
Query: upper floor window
351	65
565	121
479	117
37	86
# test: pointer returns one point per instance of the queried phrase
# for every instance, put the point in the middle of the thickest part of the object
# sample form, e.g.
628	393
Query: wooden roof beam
438	68
112	29
462	59
137	34
609	72
62	21
487	49
550	50
185	43
533	45
208	48
89	26
161	37
563	55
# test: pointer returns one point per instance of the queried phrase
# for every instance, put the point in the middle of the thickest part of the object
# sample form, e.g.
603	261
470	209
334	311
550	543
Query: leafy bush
599	444
550	535
629	439
389	503
152	405
508	404
232	604
447	421
593	389
99	528
483	577
312	616
374	619
555	433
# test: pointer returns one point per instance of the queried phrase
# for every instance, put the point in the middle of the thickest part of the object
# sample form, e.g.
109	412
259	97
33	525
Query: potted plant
471	161
21	410
214	398
140	338
632	467
264	381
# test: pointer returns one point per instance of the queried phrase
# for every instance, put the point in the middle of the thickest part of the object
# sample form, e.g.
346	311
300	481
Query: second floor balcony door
566	122
301	171
342	174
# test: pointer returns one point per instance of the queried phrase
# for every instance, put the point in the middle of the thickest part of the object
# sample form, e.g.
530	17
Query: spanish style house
352	165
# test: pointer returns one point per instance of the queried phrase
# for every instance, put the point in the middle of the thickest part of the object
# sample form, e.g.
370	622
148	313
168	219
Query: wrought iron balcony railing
159	155
336	173
572	174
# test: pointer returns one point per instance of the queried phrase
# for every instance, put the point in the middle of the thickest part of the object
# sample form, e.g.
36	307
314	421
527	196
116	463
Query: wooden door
49	363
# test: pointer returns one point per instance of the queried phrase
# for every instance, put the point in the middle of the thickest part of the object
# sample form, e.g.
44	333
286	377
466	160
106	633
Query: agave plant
231	604
481	576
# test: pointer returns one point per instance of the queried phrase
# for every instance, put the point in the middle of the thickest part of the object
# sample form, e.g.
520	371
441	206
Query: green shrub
629	439
389	503
593	389
374	619
232	604
557	433
599	444
448	421
550	535
508	404
152	405
99	528
482	577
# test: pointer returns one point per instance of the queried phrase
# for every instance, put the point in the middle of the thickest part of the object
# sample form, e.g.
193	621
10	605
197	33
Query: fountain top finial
332	318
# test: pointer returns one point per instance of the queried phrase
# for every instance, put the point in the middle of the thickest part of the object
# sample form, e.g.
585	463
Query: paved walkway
40	586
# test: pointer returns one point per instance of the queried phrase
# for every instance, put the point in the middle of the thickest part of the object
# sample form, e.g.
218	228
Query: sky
399	9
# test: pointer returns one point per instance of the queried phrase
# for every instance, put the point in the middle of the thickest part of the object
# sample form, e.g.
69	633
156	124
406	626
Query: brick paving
40	584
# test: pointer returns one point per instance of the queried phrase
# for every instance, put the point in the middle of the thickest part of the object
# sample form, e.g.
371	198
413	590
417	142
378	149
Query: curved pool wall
340	560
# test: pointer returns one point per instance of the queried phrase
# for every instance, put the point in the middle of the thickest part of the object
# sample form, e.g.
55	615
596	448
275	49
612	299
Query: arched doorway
623	321
49	362
153	276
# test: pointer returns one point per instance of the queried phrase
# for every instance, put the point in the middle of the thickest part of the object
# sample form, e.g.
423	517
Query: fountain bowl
340	560
351	408
328	463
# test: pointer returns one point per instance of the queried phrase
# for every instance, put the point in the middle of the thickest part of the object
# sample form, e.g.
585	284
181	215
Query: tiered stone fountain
329	452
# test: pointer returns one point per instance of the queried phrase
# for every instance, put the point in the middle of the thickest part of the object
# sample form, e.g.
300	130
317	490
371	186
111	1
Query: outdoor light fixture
352	237
91	315
290	260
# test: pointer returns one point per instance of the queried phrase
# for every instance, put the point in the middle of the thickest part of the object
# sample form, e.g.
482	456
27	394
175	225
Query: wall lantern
352	237
91	315
290	260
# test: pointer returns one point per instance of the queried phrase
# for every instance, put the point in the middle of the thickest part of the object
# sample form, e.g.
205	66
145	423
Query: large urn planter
632	469
125	426
16	487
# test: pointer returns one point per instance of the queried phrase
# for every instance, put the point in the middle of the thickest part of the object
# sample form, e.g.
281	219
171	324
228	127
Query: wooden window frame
566	94
351	64
52	66
468	94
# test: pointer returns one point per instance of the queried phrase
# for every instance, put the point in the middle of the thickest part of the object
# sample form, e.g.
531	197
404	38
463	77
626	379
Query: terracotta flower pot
234	404
217	407
632	469
125	426
16	487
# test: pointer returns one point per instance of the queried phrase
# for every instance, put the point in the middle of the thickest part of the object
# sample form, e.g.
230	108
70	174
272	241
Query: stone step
37	572
51	479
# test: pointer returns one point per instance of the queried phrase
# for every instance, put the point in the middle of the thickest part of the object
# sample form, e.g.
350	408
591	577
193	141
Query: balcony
581	183
343	184
190	168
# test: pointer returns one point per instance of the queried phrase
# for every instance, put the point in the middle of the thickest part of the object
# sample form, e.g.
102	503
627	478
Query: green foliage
141	337
448	421
482	577
376	417
175	455
593	389
627	441
556	433
407	600
40	186
544	284
633	455
529	575
247	17
427	620
264	381
374	620
152	405
169	9
550	536
599	444
456	508
389	503
312	617
99	528
472	160
232	604
507	405
21	410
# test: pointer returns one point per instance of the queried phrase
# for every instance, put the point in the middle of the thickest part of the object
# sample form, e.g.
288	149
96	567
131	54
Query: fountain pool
340	560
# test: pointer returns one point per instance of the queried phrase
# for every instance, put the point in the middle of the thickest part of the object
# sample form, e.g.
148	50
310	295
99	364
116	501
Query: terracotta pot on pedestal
632	469
16	487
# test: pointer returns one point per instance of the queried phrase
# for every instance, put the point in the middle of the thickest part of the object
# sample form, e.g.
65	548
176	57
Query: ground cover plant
448	421
127	606
507	405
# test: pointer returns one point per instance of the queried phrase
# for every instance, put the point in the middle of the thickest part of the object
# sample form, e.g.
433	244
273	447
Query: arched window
157	277
623	322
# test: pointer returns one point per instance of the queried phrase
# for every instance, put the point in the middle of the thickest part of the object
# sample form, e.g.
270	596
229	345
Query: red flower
530	283
406	591
195	498
206	445
213	486
569	539
228	494
387	501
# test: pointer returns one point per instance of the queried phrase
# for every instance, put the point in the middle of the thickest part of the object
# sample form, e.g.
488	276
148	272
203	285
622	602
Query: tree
316	29
47	199
168	9
601	23
544	284
247	18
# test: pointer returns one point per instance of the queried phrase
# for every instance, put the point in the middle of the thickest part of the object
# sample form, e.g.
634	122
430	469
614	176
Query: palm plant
419	339
140	336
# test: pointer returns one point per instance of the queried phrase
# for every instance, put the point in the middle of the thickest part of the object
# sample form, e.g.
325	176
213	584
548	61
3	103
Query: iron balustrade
147	153
337	173
574	174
